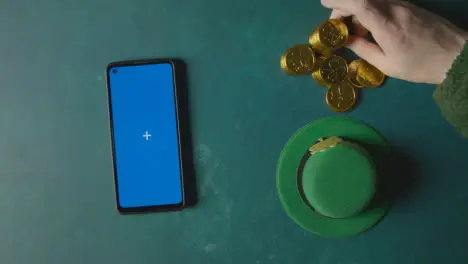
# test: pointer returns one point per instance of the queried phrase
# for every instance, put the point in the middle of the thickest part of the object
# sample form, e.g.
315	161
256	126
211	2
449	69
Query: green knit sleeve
452	94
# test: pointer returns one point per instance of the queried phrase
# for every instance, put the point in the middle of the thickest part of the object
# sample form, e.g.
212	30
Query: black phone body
145	135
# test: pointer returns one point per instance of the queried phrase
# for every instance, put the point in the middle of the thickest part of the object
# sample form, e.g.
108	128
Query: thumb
368	51
338	14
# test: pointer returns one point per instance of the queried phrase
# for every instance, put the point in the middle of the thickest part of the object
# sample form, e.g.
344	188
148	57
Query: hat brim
288	165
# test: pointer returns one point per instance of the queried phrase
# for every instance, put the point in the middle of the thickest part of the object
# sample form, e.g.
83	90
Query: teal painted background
56	187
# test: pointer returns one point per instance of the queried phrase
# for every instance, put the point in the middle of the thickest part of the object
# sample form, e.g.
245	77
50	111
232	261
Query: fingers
359	29
336	14
368	51
350	6
367	11
367	15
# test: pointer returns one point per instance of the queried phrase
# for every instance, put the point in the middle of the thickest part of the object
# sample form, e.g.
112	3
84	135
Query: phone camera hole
114	70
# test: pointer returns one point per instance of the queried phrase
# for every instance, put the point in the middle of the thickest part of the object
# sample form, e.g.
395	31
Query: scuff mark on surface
203	153
228	209
208	180
210	248
238	125
203	156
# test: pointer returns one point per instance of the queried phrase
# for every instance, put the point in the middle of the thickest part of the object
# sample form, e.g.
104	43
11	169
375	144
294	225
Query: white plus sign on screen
147	135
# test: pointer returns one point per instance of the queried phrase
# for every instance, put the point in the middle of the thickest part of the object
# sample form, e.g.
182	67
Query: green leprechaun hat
328	177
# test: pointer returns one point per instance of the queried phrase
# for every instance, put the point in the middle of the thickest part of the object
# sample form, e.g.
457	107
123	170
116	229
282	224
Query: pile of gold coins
343	80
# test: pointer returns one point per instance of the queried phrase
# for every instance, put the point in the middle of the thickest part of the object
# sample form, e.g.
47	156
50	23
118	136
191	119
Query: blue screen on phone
145	135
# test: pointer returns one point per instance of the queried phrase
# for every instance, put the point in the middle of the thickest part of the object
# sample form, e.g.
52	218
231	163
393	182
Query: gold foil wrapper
324	144
329	36
330	70
341	97
352	73
368	75
317	74
298	60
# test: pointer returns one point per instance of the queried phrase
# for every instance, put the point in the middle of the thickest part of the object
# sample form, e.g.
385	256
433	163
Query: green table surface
56	188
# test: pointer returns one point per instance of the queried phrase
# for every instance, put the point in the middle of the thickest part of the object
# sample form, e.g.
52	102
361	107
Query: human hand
412	43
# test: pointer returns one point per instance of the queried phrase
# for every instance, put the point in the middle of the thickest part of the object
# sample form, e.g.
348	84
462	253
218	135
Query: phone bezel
153	208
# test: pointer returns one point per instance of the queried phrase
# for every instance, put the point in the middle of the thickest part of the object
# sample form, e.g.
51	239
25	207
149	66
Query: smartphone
145	134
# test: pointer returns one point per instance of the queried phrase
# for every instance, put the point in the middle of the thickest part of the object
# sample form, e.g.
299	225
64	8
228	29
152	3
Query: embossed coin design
368	75
341	97
329	36
352	73
298	60
330	70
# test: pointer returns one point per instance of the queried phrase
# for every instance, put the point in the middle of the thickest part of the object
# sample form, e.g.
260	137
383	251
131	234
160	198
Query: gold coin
330	70
325	144
298	60
341	97
352	73
329	36
368	75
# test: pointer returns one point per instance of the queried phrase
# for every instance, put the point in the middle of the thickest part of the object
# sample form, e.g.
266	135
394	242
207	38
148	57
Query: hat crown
339	178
